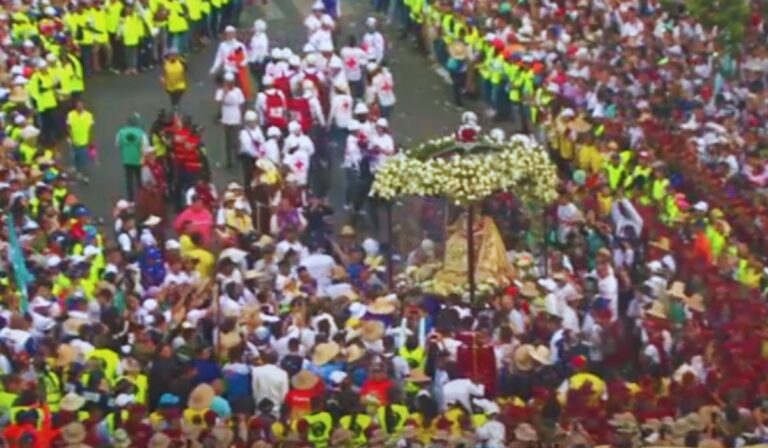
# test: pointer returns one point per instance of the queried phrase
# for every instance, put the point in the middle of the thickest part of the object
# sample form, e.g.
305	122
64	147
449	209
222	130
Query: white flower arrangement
466	174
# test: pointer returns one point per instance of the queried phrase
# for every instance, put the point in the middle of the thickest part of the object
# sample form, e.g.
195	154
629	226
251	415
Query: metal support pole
471	251
545	230
390	252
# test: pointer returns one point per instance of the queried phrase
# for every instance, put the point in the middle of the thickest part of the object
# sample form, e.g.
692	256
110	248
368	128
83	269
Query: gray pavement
422	111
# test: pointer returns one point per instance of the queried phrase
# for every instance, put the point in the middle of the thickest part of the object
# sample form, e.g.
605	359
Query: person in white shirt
336	74
384	88
273	68
352	158
323	36
297	162
231	100
271	147
251	142
268	381
227	47
462	391
291	241
315	19
258	50
340	114
373	42
381	146
354	59
319	266
493	433
297	138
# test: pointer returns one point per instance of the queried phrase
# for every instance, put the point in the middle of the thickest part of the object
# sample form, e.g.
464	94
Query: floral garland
466	172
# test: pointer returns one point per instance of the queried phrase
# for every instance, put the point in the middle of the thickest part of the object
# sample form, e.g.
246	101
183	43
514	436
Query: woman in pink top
196	218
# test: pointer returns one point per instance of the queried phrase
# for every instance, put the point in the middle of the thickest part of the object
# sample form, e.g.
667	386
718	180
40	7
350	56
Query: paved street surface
422	112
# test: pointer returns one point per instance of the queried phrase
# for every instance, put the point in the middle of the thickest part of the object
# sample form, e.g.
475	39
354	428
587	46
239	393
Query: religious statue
490	260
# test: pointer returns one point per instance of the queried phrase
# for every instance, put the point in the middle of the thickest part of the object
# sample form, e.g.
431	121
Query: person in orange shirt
702	247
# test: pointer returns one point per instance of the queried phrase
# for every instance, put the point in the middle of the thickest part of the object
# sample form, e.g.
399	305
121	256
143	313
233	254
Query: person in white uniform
223	60
258	50
251	141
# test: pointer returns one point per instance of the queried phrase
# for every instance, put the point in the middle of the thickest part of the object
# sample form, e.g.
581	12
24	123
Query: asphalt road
423	110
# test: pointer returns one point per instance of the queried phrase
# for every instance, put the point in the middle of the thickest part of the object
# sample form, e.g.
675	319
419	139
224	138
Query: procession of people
629	312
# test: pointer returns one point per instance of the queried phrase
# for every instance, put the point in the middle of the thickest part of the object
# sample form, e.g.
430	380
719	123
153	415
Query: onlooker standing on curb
79	131
130	140
231	99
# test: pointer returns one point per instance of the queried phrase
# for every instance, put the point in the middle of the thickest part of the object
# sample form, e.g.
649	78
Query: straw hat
541	355
624	422
325	353
371	330
121	439
251	315
677	290
707	412
530	290
525	433
347	230
304	380
229	339
354	352
159	440
73	433
65	355
579	125
458	50
382	305
657	310
696	303
72	326
662	243
201	397
418	376
71	402
523	359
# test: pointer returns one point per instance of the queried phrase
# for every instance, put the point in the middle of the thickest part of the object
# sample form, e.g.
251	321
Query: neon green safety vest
400	413
614	175
52	385
362	423
659	189
320	427
42	88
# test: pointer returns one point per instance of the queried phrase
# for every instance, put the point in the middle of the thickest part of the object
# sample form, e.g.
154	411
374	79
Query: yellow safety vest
614	175
16	410
659	189
516	85
362	423
52	385
638	172
320	428
497	70
22	26
84	36
401	417
133	29
74	72
194	7
42	88
142	386
114	11
177	23
99	18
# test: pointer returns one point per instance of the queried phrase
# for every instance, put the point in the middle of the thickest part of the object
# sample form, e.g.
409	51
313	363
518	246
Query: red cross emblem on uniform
299	165
386	87
351	63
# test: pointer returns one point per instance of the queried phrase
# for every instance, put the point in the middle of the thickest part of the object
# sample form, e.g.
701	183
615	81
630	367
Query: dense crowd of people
260	316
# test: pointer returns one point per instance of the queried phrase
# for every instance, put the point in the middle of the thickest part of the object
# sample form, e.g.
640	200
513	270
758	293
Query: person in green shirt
79	129
131	141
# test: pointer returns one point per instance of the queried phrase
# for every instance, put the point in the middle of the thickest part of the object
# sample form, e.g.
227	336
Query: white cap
232	186
20	81
268	80
240	204
353	125
91	251
337	377
318	6
172	245
274	131
230	29
701	206
336	63
382	123
50	57
50	11
326	21
360	108
260	25
54	261
311	59
229	77
567	112
275	53
149	305
42	64
250	116
469	117
28	44
123	204
29	131
294	126
325	46
372	66
294	61
309	48
20	119
370	21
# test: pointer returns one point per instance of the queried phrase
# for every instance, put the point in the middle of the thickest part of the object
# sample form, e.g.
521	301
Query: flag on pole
21	275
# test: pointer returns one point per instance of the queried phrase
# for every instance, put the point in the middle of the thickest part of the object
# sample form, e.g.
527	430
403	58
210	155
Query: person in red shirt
305	385
377	385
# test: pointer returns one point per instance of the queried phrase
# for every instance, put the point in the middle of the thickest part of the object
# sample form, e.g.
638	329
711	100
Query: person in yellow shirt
174	77
132	30
79	130
206	261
